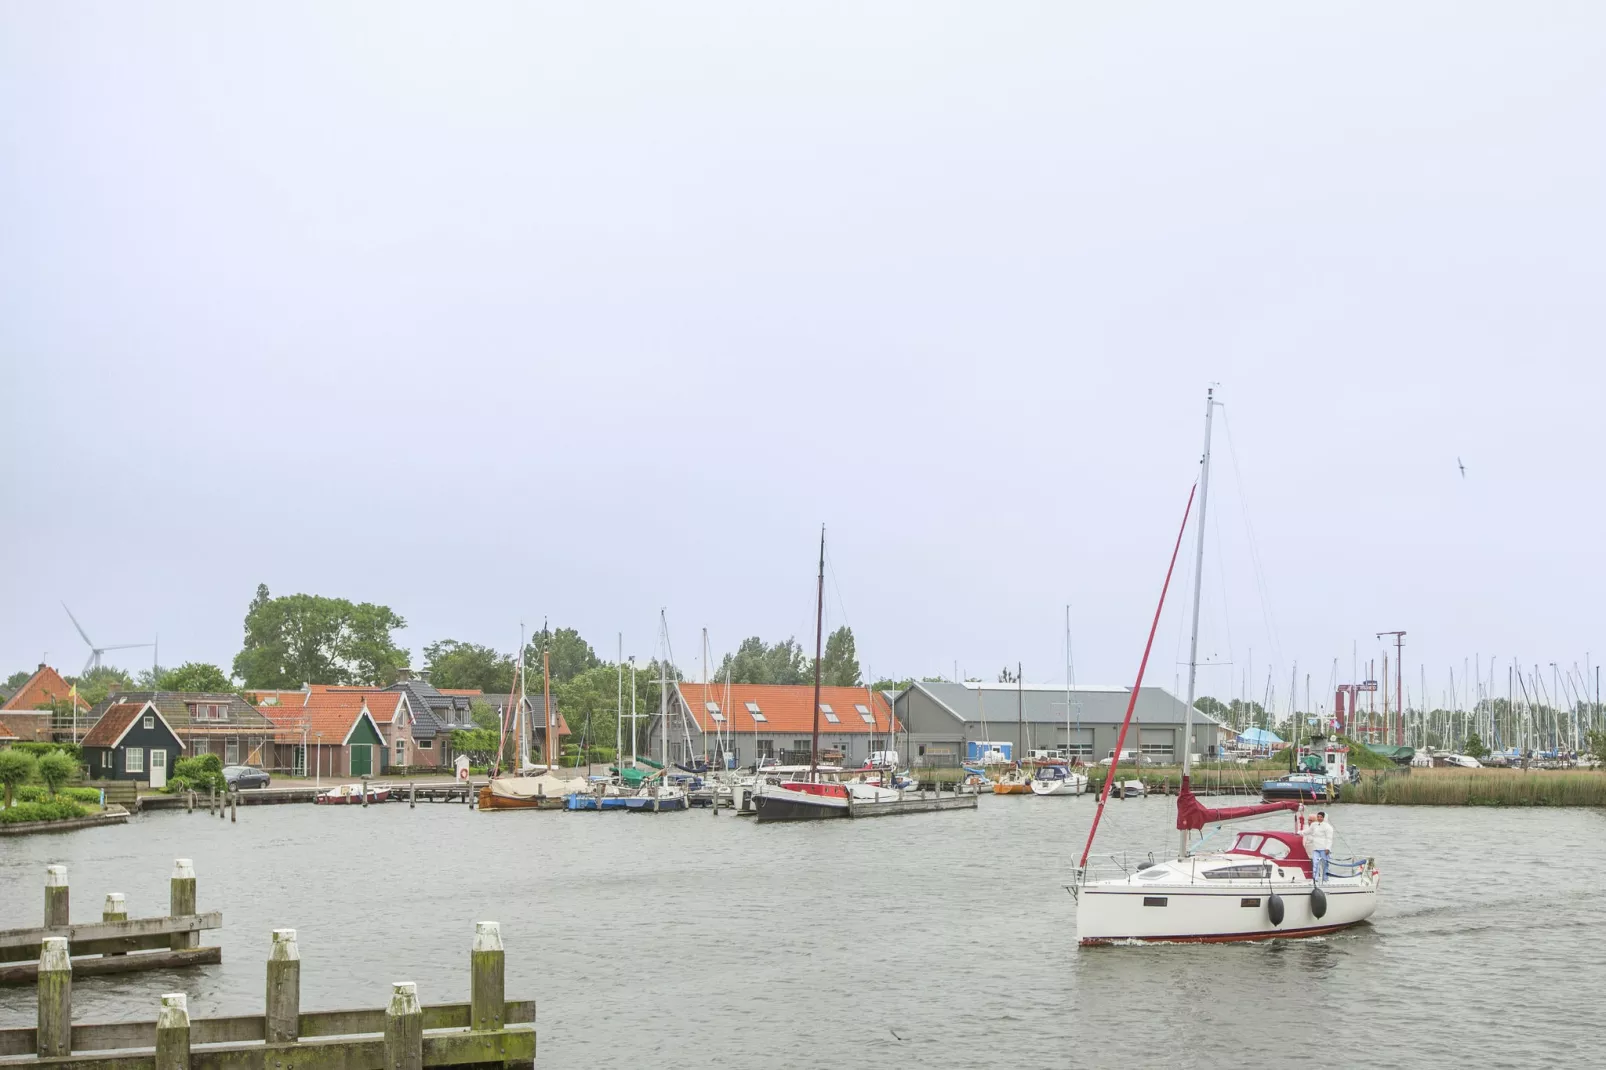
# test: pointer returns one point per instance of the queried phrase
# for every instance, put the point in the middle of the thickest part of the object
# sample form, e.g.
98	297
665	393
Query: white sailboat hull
1075	784
1112	912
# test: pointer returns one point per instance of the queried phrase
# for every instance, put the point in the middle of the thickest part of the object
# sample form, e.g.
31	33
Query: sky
574	311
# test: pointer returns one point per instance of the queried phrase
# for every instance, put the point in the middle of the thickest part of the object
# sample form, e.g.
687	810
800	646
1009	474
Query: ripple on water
942	939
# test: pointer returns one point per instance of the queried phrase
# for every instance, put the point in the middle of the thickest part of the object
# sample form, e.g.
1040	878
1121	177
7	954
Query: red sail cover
1194	815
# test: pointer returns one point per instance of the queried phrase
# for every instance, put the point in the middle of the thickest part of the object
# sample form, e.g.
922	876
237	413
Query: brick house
28	712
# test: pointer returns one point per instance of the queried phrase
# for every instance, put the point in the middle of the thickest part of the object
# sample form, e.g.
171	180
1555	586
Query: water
933	940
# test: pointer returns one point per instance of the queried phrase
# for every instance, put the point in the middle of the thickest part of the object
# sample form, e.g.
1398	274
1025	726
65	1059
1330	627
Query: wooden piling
365	791
181	902
173	1033
116	909
487	963
284	988
189	802
412	796
55	998
234	807
55	897
404	1028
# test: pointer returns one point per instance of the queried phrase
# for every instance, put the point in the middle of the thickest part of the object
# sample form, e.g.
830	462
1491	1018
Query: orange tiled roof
43	687
332	711
111	724
787	708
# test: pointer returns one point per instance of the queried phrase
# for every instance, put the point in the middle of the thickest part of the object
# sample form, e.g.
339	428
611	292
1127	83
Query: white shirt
1318	836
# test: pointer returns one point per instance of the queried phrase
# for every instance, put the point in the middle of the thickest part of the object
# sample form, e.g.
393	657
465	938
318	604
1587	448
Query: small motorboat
1014	782
351	793
1129	789
1057	780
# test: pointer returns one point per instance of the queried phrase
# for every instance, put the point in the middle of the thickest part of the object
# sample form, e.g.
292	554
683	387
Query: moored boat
544	792
1058	780
1014	782
351	793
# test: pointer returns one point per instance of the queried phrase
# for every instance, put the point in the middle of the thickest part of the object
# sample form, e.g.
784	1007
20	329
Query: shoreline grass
1480	787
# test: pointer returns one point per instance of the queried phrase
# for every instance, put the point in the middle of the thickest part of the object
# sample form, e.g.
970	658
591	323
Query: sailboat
1256	885
812	796
532	787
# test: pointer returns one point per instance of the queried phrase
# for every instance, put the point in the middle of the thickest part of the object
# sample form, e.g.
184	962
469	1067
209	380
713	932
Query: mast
546	701
633	732
663	696
819	639
1020	717
1068	754
521	723
619	708
1198	588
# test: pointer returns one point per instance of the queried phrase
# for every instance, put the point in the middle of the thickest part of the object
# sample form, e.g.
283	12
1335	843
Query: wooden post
181	902
173	1033
189	802
55	897
365	791
412	796
116	909
404	1028
234	807
486	965
284	988
55	998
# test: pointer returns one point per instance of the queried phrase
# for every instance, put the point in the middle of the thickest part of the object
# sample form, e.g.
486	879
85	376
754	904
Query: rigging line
1132	702
1221	573
1257	566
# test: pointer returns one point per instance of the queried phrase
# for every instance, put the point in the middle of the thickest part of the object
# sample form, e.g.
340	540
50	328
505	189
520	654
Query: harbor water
688	940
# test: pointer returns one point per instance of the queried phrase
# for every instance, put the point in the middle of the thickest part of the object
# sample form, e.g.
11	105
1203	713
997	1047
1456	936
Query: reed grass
1481	787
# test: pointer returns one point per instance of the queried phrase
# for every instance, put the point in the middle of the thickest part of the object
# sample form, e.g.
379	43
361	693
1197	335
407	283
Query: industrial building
944	721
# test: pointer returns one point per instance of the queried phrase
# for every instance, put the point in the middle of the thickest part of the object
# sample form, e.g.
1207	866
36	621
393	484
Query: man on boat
1319	842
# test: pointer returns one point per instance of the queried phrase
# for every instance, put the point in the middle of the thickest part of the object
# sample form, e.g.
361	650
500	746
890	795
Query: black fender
1318	902
1274	907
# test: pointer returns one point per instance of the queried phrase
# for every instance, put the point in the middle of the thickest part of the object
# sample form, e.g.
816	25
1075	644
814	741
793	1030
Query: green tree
55	769
469	665
1474	746
16	768
885	684
195	676
1006	675
484	716
1212	707
16	680
301	638
1595	747
478	743
839	665
756	662
569	655
588	702
97	683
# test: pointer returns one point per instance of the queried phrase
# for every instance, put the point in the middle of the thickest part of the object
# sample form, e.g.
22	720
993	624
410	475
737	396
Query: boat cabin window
1274	849
1153	873
1249	842
1258	871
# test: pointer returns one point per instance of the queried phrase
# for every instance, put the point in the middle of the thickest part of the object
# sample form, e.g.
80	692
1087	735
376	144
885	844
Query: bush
202	773
40	749
56	769
17	767
33	793
53	810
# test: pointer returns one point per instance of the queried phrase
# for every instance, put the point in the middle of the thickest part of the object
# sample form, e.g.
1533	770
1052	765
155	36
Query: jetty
116	943
489	1030
462	793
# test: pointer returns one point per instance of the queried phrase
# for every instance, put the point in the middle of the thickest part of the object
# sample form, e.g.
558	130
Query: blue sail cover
1259	737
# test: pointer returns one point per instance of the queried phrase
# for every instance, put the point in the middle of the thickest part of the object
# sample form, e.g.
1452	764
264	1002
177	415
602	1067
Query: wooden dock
115	944
463	794
489	1030
916	802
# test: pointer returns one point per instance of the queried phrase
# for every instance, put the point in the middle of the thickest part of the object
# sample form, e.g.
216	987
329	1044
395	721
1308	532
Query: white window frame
150	722
133	759
229	744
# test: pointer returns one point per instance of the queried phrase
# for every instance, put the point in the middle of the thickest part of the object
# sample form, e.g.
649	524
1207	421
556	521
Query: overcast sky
499	312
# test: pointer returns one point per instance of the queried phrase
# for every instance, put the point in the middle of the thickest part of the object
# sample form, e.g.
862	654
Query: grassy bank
1481	787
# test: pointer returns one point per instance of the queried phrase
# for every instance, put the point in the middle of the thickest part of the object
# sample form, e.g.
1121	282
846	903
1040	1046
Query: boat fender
1274	907
1318	902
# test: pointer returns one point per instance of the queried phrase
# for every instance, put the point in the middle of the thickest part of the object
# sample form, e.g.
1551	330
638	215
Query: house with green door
342	735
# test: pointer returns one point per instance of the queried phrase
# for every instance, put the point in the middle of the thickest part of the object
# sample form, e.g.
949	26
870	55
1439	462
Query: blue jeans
1318	863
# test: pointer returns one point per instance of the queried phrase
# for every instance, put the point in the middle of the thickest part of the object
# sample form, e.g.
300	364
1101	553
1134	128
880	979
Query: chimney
403	675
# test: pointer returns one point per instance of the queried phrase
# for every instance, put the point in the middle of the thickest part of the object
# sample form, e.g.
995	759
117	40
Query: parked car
240	777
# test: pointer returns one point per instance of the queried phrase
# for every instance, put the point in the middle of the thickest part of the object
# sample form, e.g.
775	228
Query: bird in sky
1461	466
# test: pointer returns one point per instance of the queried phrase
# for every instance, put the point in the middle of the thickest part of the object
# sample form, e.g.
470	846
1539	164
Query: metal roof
1045	703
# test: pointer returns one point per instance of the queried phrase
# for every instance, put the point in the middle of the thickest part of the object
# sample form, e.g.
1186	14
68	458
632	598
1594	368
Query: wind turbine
96	651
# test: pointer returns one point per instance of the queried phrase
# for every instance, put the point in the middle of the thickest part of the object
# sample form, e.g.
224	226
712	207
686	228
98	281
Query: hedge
33	793
39	749
54	810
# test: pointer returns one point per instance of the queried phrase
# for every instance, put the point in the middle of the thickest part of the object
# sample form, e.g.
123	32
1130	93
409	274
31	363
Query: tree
1212	707
756	662
1596	747
484	716
16	680
102	680
16	768
194	676
886	684
1006	675
588	703
468	665
309	639
839	665
55	769
1474	746
569	654
478	743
